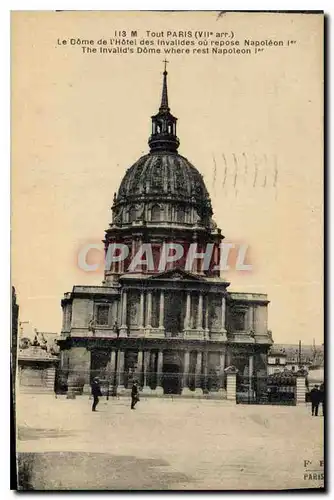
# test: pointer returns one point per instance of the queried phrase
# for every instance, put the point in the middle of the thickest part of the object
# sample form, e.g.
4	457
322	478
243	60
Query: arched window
132	214
155	213
169	128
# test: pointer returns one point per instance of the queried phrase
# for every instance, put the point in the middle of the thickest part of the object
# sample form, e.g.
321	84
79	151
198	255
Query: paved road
166	444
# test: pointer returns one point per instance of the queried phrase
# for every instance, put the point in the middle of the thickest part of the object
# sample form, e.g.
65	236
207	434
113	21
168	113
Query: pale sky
251	124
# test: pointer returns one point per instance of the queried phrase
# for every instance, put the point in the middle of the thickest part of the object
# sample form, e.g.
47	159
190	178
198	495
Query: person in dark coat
315	400
96	392
134	395
322	398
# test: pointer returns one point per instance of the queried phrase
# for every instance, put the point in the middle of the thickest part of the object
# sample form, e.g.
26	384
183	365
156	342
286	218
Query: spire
164	96
163	136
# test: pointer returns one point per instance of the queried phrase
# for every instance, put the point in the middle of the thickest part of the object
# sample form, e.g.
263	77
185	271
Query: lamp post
300	355
116	330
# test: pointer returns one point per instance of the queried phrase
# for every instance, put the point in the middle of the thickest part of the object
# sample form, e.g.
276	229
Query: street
166	444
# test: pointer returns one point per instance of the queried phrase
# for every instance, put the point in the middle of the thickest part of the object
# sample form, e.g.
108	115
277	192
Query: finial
164	96
165	62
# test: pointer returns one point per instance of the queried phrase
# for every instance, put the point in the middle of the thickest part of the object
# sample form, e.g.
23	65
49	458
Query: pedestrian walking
134	395
96	392
315	400
322	398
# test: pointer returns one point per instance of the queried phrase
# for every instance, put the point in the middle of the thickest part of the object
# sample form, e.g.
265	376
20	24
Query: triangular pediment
177	274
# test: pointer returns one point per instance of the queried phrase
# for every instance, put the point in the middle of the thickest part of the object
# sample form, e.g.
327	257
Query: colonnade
202	305
151	363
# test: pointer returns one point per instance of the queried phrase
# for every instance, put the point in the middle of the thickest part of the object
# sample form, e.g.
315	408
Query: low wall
36	377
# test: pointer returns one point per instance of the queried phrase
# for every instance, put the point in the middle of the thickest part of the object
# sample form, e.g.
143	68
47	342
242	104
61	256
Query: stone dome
162	175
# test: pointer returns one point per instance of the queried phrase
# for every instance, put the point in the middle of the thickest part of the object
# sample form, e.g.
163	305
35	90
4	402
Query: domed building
163	315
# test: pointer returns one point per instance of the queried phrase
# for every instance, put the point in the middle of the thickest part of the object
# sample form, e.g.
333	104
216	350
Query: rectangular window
102	315
239	318
277	361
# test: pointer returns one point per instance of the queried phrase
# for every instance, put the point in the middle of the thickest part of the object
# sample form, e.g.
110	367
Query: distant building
286	357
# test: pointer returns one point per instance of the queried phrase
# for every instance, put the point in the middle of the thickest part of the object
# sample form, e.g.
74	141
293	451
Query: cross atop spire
164	96
166	62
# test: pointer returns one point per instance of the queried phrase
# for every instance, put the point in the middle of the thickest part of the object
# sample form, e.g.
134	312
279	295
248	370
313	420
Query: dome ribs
169	180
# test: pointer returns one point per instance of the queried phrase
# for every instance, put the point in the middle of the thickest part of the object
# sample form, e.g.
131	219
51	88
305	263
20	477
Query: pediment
177	274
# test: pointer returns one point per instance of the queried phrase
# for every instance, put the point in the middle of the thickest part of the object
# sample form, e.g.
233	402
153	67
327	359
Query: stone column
112	264
162	310
250	375
69	317
198	374
223	317
228	357
251	318
197	262
185	378
149	310
120	371
200	312
222	373
141	310
159	388
146	387
138	246
139	370
206	320
121	266
215	255
112	368
124	328
187	316
300	388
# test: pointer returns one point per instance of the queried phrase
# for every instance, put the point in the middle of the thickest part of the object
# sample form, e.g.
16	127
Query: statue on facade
116	329
54	349
43	343
251	332
91	326
24	343
35	342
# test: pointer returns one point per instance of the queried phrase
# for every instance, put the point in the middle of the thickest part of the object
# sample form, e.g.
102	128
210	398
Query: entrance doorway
98	364
172	379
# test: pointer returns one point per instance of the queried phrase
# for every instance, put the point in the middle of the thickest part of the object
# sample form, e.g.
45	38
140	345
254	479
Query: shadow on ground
28	433
95	471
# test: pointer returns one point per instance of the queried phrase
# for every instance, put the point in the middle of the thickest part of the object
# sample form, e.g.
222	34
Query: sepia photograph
167	250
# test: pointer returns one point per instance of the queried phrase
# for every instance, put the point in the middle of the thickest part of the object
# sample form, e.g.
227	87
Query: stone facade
174	329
